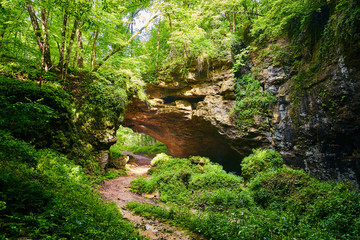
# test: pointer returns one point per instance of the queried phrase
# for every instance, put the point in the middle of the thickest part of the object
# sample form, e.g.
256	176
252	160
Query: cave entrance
186	136
137	143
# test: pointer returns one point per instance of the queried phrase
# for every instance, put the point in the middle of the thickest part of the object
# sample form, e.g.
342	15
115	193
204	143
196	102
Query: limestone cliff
193	116
316	121
315	124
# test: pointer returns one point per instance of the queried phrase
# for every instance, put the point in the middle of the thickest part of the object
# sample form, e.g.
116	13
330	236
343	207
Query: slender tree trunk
186	54
69	48
172	49
42	40
46	45
2	33
170	22
63	42
75	58
233	21
80	60
93	51
35	25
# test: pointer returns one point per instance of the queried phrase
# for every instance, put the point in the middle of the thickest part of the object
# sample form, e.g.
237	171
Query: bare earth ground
118	191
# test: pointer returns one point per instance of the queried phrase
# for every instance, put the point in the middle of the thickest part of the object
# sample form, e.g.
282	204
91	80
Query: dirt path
118	191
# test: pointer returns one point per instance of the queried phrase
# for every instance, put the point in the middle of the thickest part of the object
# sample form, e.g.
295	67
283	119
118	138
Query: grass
272	202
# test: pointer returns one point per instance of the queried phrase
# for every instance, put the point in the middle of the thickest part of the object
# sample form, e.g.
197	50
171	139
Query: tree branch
116	50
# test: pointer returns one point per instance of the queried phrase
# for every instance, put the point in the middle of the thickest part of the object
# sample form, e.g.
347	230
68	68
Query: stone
194	118
314	127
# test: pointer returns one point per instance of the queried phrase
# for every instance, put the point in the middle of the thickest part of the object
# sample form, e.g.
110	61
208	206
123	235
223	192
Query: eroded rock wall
315	121
193	116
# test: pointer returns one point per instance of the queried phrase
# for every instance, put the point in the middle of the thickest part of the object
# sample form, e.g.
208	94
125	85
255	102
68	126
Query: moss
252	103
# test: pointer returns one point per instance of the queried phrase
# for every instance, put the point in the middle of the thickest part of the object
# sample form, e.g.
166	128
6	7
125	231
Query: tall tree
42	35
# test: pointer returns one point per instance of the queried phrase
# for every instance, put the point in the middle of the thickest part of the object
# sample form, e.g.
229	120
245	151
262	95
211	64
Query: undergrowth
271	202
45	195
48	173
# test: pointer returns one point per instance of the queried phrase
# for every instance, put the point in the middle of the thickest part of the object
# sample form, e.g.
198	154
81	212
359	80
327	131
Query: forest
69	69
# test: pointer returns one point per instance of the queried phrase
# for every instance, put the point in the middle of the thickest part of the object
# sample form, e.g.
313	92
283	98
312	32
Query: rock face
192	116
315	123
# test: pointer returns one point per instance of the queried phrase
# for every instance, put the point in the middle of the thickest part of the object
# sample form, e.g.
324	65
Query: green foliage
252	103
33	113
185	181
342	29
214	180
275	203
157	148
16	151
127	140
52	197
261	160
159	159
278	18
142	185
105	103
114	173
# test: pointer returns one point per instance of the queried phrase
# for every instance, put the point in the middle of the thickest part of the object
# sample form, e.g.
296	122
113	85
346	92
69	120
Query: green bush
214	180
260	161
159	159
45	195
276	202
275	187
38	114
224	199
22	196
185	181
142	185
15	150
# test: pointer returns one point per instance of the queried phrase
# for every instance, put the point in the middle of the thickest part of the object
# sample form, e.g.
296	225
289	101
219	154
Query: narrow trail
118	191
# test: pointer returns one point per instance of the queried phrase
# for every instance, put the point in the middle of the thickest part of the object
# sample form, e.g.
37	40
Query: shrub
214	181
159	159
38	114
15	150
50	196
225	199
199	160
274	187
260	161
276	202
142	185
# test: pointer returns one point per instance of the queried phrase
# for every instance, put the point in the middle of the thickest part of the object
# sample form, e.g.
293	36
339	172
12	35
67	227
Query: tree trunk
233	21
42	40
80	60
170	22
63	42
69	48
93	51
35	25
2	33
75	58
46	45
